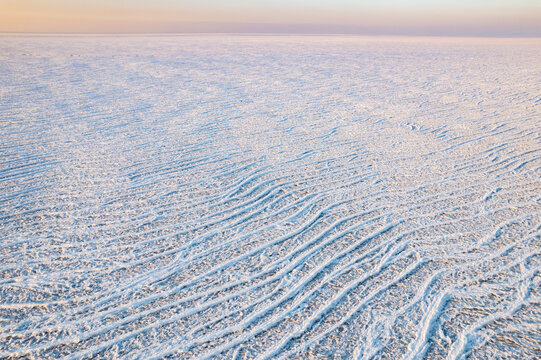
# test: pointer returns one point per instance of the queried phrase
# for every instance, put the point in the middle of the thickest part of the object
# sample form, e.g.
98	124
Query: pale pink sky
407	17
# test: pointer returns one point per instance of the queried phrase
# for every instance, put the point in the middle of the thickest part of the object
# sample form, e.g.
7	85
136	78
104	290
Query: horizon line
225	33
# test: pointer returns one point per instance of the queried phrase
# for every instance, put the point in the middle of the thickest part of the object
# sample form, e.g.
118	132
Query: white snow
269	197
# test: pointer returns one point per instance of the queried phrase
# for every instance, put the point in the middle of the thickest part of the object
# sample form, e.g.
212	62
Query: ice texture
271	197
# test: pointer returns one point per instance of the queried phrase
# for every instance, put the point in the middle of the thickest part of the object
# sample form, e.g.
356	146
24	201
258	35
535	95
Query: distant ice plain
245	197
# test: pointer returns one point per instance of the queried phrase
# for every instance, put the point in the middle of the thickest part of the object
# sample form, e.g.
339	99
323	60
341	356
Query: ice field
271	197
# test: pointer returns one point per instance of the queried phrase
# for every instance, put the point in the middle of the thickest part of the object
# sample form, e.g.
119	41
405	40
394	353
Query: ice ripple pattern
222	197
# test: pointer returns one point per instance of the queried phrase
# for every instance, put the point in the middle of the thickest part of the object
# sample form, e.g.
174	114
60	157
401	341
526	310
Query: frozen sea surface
270	198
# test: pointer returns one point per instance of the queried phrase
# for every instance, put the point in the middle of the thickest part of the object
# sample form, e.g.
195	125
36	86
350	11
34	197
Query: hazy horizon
501	18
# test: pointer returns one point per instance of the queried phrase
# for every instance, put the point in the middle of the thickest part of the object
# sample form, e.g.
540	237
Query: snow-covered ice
244	197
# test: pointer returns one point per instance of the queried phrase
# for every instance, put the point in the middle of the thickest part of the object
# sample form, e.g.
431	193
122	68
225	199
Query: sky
508	18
